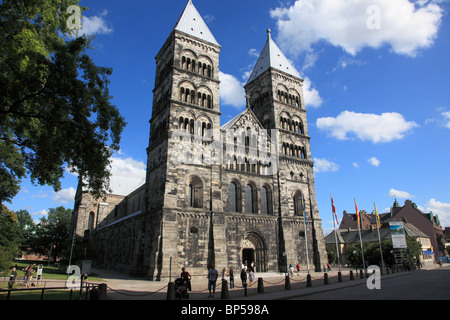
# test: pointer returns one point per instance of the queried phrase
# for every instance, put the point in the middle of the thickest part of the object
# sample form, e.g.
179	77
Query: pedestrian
29	274
244	277
186	277
213	274
12	278
298	268
231	278
251	276
328	266
291	269
224	274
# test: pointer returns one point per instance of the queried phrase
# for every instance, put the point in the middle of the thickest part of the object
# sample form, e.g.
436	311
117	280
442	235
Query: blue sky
377	88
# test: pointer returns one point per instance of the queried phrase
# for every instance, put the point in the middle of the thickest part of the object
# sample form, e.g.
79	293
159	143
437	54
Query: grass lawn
49	273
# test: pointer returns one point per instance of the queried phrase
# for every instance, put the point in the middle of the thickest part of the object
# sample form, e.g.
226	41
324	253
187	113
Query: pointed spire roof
192	23
272	57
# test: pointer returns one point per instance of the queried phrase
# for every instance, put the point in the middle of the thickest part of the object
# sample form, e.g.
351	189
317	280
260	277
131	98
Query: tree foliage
9	237
52	232
55	106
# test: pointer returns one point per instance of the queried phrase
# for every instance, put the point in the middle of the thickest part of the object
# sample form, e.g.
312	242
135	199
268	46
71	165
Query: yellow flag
378	216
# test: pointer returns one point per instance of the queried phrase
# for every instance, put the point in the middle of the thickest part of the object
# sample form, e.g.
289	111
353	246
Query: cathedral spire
192	23
272	57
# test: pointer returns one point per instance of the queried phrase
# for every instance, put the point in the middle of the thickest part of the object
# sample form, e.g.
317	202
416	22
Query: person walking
251	276
12	278
244	277
213	274
29	274
231	278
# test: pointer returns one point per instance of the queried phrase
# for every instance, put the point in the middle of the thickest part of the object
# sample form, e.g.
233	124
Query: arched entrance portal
254	250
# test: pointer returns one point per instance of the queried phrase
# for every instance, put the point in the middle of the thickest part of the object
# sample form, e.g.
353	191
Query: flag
378	216
334	210
357	214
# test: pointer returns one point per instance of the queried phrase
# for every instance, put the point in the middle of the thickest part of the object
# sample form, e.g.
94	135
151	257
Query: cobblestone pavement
123	287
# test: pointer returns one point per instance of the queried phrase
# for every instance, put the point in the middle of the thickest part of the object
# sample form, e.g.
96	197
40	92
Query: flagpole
360	238
306	234
335	234
379	237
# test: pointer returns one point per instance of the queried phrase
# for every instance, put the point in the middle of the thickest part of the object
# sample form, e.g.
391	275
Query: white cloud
42	212
366	126
406	26
374	161
95	25
441	209
231	90
400	194
323	165
127	174
446	116
64	195
310	95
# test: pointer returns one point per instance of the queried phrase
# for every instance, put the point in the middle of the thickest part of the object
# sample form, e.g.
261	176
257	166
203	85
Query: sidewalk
123	287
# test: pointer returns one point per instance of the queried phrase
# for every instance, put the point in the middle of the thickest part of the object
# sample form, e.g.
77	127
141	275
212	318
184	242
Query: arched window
195	192
234	197
266	200
232	200
91	221
250	199
298	203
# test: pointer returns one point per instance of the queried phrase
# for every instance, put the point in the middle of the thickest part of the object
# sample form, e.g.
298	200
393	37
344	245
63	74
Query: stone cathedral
214	194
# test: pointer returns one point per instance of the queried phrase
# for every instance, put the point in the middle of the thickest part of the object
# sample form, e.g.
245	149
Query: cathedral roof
192	23
246	117
272	57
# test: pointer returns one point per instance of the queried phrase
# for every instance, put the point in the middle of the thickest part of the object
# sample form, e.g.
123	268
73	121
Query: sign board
397	234
39	272
86	267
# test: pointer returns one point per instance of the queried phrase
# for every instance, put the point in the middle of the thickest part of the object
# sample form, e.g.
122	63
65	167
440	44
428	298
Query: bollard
245	289
325	278
170	291
102	287
351	275
224	293
94	294
287	283
339	276
361	274
308	281
260	285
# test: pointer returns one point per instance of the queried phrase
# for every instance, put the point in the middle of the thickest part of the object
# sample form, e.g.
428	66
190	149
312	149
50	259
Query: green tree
9	237
52	232
27	229
55	106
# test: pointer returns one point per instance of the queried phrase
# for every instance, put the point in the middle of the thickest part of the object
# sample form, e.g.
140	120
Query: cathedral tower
275	94
185	117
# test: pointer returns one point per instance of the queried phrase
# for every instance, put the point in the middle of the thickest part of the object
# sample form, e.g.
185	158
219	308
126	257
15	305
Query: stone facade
214	194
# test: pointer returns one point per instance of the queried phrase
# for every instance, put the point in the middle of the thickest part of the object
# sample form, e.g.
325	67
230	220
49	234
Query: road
432	284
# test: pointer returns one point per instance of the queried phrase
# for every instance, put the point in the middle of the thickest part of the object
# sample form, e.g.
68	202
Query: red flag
334	210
